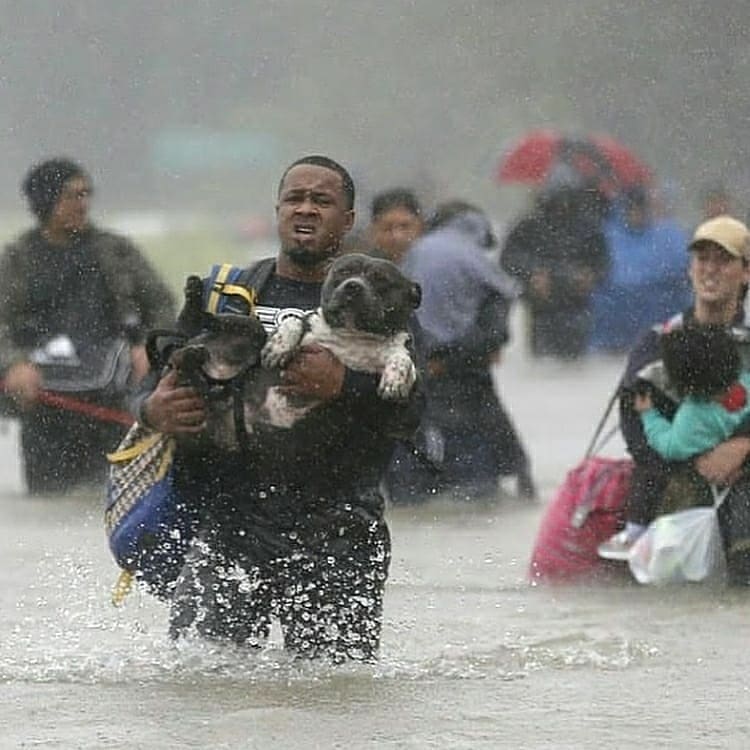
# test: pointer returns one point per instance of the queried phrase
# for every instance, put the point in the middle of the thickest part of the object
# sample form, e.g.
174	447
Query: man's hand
314	372
23	381
174	409
540	284
584	281
723	464
435	367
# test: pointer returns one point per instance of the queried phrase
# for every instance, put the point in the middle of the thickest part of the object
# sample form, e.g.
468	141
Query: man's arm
317	373
723	464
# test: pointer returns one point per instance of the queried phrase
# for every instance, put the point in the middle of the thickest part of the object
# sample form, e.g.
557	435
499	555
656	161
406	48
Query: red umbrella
531	159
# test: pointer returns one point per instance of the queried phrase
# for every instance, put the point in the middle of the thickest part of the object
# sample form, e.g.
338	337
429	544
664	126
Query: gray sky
200	103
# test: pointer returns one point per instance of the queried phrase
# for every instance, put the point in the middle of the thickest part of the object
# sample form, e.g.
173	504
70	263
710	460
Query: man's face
716	275
394	231
312	214
71	212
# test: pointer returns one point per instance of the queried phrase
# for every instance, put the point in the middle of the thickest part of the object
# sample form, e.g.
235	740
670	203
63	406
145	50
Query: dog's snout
352	288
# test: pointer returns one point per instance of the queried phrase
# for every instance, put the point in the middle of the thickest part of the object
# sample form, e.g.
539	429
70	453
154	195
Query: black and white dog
363	319
365	306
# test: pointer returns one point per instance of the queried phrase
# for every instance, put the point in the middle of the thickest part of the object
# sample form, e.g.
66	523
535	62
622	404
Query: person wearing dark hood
558	253
463	321
71	294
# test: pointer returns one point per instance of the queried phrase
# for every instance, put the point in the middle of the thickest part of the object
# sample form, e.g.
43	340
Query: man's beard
308	259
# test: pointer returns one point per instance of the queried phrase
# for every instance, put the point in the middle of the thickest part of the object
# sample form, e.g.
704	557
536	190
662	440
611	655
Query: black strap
257	275
607	411
238	409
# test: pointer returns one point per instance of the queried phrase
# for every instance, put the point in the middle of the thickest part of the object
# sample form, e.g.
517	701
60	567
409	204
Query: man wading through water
293	531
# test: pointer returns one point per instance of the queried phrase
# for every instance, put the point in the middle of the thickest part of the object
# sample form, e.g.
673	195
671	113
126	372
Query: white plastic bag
679	547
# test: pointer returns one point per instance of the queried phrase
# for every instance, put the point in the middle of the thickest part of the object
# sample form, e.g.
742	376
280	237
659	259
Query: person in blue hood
647	276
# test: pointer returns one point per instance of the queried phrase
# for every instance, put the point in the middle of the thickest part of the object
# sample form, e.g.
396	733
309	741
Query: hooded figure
463	316
558	254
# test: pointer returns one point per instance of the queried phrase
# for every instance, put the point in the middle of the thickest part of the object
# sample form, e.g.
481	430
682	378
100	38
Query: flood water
472	655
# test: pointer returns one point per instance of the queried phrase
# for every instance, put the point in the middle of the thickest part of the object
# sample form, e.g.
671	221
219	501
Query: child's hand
642	402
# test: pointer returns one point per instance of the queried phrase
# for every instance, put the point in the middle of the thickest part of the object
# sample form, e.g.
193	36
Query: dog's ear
192	317
416	295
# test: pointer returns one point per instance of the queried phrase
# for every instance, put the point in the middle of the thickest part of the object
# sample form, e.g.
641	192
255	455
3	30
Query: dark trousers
328	604
62	450
562	333
466	443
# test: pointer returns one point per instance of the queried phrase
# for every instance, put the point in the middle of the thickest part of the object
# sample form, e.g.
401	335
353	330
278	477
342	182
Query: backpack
587	509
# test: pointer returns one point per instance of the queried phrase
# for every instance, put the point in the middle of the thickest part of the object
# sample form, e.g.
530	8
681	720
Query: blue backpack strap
222	293
230	289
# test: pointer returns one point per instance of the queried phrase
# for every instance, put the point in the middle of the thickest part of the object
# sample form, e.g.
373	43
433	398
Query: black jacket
563	246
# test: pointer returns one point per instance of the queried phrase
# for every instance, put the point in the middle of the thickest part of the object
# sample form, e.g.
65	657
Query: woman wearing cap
719	272
68	289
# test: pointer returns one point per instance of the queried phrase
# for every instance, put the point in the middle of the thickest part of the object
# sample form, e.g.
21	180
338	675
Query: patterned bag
147	526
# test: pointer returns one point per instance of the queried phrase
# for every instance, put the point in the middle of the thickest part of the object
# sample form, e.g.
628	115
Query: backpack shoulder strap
230	289
257	275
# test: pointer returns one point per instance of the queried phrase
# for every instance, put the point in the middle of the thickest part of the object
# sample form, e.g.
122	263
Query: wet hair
701	361
481	227
395	198
44	182
449	210
317	160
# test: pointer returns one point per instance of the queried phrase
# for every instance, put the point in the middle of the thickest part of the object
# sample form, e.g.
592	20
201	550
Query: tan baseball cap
730	234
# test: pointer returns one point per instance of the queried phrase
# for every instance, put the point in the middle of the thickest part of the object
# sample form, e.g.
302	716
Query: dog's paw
278	350
398	378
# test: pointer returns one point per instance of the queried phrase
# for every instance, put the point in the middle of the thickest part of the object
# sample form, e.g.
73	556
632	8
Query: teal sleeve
694	430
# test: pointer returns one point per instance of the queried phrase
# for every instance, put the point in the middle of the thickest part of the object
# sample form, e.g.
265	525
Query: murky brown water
472	657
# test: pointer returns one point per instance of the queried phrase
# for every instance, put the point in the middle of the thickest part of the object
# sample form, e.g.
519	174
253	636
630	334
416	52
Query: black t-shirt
282	298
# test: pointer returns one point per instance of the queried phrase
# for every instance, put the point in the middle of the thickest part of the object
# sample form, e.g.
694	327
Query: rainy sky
198	103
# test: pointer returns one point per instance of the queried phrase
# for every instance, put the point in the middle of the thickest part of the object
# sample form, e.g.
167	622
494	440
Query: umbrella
598	157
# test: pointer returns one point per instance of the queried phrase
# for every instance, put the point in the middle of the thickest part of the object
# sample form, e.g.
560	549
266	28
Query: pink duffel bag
587	508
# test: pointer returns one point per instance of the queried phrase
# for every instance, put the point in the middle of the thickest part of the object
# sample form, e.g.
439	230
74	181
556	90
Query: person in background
719	270
715	200
396	222
72	291
463	317
647	277
558	254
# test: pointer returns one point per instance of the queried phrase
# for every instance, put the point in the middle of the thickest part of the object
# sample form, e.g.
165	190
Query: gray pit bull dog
365	306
